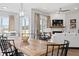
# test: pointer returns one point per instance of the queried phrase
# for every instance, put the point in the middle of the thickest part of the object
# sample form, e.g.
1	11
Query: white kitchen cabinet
73	38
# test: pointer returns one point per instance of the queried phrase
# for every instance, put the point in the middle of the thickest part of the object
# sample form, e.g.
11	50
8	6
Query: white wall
73	15
74	38
66	17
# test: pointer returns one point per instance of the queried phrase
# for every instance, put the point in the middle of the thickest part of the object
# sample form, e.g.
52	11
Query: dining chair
8	47
58	49
2	37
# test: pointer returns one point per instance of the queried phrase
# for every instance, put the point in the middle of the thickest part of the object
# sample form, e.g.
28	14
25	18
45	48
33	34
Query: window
4	23
25	26
43	23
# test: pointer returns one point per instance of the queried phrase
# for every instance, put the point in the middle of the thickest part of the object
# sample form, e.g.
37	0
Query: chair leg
16	52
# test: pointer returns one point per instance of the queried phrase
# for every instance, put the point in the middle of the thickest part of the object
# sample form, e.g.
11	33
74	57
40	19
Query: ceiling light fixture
45	8
4	7
75	8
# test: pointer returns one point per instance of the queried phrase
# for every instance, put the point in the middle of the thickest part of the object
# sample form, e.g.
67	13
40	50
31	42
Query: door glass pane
43	23
25	26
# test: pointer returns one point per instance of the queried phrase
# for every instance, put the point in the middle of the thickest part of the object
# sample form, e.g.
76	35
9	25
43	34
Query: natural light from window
25	26
4	23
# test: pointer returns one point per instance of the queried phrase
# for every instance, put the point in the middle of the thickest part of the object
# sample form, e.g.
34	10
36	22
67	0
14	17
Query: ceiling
45	7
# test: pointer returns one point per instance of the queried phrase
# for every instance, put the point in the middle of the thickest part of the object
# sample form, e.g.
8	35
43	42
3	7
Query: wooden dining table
34	47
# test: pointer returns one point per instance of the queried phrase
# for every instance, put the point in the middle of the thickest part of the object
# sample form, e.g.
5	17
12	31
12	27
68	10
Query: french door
24	26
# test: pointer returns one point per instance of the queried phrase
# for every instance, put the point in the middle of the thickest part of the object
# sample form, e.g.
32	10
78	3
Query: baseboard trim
73	47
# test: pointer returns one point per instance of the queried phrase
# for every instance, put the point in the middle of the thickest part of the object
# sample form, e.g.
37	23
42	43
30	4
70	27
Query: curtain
37	24
11	23
48	22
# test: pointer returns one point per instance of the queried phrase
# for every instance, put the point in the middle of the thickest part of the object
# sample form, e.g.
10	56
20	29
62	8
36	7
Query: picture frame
72	20
72	26
72	23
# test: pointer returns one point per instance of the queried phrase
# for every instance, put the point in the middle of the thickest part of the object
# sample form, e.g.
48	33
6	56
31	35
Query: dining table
34	47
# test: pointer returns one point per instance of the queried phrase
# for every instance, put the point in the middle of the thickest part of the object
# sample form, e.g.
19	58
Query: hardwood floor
71	52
